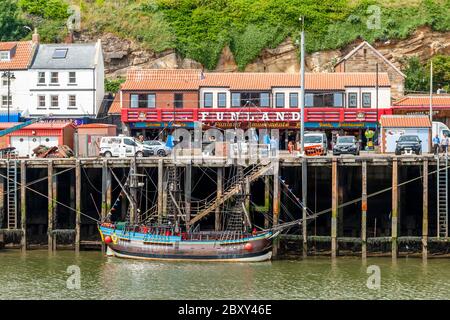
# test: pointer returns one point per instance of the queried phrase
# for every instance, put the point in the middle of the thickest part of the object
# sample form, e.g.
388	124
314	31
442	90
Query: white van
122	146
316	138
440	129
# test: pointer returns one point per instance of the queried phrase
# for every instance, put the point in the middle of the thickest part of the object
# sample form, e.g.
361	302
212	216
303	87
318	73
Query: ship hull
133	245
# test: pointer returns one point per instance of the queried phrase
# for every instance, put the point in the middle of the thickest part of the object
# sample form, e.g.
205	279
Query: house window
151	100
366	100
4	82
41	102
41	77
264	99
178	100
54	101
352	100
4	55
309	100
5	101
143	101
222	100
72	77
279	100
293	100
208	100
338	100
72	101
60	53
54	78
236	99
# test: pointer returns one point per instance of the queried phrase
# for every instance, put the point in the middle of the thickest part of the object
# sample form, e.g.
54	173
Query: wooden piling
217	224
2	200
266	200
104	187
425	210
23	202
364	209
334	207
188	191
160	188
77	204
394	227
50	205
276	203
305	203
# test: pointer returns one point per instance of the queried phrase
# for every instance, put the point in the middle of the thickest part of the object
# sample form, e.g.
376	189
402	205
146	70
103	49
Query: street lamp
8	75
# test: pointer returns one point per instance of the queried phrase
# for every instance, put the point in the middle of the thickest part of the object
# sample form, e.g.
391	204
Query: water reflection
38	275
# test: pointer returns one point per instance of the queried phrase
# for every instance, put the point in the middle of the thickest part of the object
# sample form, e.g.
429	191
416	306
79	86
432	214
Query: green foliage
418	74
113	85
11	24
48	9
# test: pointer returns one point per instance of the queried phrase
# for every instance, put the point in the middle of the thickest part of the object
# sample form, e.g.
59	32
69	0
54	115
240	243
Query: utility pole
431	91
302	140
302	84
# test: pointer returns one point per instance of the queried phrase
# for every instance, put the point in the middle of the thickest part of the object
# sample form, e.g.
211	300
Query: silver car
159	148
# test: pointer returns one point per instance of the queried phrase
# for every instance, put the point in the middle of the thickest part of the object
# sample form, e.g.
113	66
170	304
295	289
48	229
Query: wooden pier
361	202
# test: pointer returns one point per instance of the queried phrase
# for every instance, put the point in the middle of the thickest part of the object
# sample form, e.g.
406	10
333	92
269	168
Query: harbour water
38	274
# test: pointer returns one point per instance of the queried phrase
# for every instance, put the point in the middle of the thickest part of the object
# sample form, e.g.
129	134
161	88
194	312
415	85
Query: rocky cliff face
121	54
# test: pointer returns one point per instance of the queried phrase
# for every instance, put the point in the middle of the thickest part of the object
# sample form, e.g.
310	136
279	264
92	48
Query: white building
15	60
66	81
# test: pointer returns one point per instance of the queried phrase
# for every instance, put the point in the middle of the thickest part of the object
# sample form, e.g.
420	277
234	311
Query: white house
66	81
15	60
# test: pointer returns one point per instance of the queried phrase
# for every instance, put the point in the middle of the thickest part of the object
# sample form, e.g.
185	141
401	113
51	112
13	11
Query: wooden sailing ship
171	238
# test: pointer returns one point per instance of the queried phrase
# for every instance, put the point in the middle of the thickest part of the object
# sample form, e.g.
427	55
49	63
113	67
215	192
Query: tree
441	72
11	24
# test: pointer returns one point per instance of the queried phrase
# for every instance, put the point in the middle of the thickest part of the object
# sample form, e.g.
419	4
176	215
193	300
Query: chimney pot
35	38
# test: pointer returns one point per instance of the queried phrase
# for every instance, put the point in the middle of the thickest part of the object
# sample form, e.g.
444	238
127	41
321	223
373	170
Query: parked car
408	144
122	146
158	147
316	138
346	145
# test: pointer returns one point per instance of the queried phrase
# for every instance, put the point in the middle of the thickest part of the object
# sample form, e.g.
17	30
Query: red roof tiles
400	121
21	58
193	79
423	101
115	106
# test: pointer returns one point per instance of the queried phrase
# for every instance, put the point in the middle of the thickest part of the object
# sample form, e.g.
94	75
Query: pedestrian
444	144
436	143
291	146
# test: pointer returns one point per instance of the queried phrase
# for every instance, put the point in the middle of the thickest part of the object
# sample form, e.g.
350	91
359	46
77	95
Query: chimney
69	38
35	38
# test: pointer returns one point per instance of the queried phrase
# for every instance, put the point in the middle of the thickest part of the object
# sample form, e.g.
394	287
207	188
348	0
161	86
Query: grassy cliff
199	29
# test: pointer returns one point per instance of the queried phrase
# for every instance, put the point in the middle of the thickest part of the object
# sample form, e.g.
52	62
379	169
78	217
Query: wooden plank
188	191
394	226
23	202
217	218
276	202
50	205
425	210
160	188
364	210
334	207
77	205
266	200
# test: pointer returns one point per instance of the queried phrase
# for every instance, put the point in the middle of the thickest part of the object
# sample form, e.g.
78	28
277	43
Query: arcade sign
247	116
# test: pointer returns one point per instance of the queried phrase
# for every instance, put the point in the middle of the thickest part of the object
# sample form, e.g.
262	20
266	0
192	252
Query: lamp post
8	76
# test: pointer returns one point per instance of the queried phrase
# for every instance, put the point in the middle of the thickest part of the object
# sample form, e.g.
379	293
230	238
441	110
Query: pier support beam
188	192
276	203
23	202
2	202
394	227
52	195
425	210
77	204
160	188
266	200
364	210
217	219
106	189
334	207
304	201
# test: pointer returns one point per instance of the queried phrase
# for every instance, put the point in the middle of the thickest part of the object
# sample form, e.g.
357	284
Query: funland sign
248	116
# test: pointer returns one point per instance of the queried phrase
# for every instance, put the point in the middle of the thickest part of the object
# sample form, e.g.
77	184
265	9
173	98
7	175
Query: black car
346	145
408	143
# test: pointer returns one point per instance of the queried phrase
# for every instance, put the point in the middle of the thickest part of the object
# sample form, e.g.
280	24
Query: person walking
436	143
445	143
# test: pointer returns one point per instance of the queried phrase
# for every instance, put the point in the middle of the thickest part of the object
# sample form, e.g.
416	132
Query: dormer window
4	56
60	53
